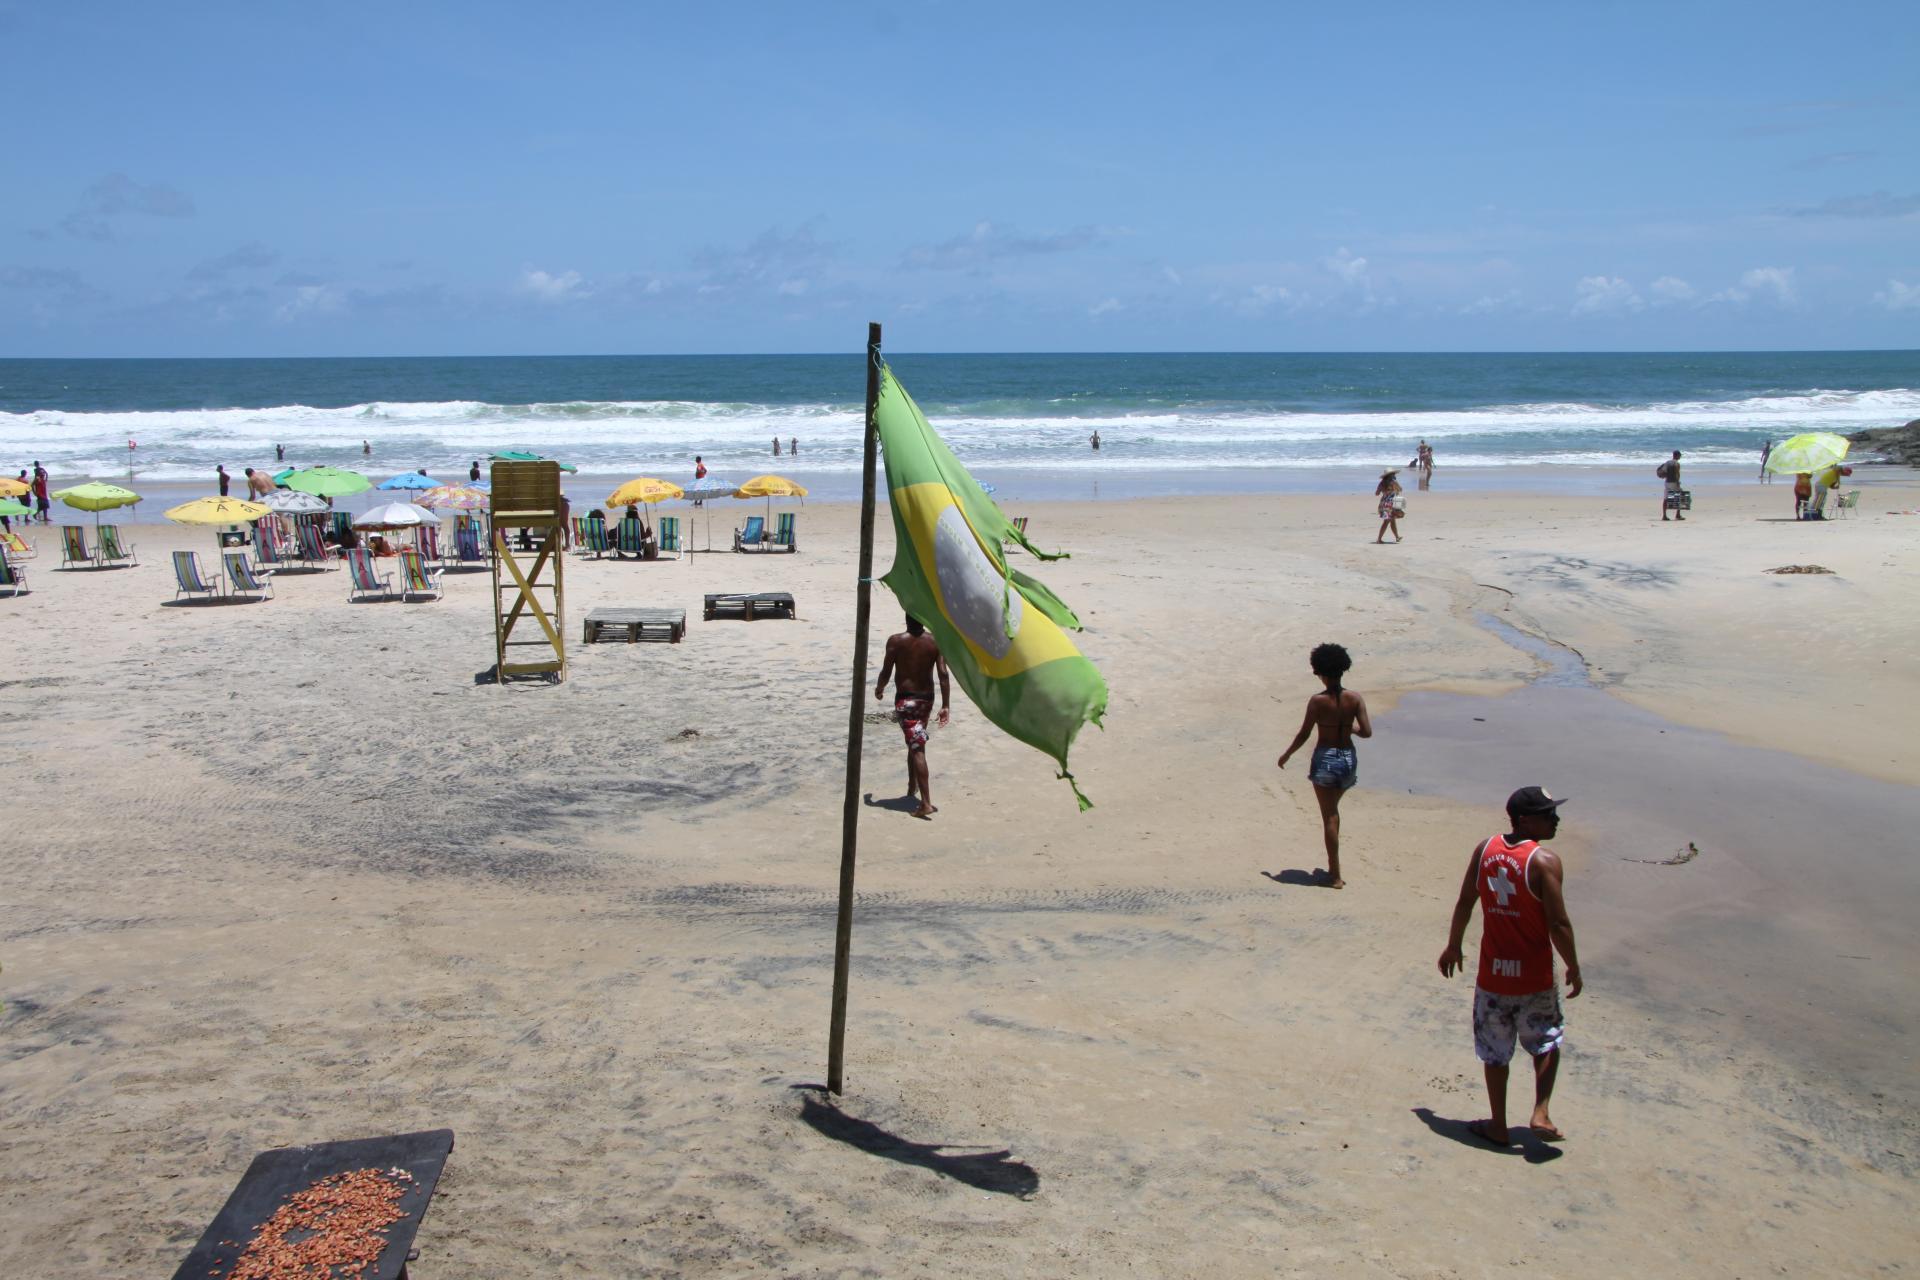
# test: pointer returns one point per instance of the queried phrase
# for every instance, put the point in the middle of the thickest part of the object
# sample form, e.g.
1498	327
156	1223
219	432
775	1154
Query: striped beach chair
594	539
416	579
426	540
466	542
338	524
362	581
783	536
669	531
74	550
13	578
313	547
15	546
193	583
113	548
270	542
245	580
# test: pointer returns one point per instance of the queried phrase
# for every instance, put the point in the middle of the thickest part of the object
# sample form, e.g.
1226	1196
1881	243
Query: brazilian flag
999	630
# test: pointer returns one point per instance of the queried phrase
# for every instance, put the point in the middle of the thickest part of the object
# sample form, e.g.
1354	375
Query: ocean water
1168	423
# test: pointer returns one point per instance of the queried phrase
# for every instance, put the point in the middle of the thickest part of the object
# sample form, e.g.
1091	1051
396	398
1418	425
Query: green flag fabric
1000	630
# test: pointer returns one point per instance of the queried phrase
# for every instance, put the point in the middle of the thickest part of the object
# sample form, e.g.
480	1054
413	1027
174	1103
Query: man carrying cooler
1517	881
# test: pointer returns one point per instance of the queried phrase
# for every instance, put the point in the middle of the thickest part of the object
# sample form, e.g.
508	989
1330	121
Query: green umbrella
96	497
328	482
14	507
281	477
521	455
1815	451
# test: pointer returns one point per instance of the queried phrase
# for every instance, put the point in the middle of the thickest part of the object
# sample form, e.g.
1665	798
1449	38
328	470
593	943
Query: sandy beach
293	871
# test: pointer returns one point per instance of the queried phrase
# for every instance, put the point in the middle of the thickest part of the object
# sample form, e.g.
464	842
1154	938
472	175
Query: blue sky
344	178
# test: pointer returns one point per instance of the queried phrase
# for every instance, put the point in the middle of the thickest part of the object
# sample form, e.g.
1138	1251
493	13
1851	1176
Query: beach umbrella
705	491
396	515
521	455
96	497
453	497
224	512
280	477
644	489
14	507
292	502
1815	451
409	480
217	511
328	482
11	488
770	487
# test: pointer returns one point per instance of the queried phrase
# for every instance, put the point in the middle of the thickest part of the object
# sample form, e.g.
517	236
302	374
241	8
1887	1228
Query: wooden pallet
667	624
751	605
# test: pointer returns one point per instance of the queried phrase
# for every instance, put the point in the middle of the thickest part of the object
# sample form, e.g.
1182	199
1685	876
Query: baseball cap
1532	800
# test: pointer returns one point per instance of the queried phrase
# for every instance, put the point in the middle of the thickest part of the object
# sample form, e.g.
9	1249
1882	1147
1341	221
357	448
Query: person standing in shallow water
776	446
1340	716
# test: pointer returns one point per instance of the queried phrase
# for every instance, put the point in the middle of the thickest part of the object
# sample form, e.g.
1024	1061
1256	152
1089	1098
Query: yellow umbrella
217	511
11	488
770	487
1815	451
644	489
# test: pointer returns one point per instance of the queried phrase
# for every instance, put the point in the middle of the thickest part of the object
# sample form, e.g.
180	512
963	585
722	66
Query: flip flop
1478	1128
1547	1133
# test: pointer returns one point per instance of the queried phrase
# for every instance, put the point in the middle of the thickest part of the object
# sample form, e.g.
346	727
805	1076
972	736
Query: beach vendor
1824	483
1669	471
1518	883
916	655
1392	505
1340	716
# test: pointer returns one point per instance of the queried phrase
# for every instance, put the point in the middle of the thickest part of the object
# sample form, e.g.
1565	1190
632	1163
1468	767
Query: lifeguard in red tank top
1516	955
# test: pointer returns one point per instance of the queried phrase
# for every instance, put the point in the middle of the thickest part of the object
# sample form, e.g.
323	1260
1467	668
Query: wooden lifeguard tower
526	496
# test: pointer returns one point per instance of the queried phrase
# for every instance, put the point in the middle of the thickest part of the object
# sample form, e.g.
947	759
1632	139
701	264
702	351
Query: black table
285	1171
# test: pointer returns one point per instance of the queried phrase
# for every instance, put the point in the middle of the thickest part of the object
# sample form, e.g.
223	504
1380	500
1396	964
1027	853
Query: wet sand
289	872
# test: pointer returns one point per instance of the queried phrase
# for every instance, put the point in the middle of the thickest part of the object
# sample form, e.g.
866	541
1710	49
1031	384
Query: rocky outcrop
1892	444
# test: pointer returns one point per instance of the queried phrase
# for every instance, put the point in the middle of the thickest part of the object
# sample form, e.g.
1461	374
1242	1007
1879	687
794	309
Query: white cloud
1668	290
1604	295
1487	305
311	300
1348	267
1261	298
1105	307
547	287
1899	296
792	288
1762	284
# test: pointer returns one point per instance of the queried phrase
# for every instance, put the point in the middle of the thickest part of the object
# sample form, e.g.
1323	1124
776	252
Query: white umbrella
705	491
396	515
292	502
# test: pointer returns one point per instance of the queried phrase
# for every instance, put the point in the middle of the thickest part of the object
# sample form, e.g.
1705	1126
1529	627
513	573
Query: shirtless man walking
1517	881
1341	716
917	657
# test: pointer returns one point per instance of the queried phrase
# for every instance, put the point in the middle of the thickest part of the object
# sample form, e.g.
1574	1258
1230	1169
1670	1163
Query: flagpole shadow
984	1171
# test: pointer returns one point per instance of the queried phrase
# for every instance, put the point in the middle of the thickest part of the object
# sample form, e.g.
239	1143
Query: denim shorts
1335	767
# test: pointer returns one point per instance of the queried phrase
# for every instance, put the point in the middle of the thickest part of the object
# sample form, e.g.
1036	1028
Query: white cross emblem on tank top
1502	887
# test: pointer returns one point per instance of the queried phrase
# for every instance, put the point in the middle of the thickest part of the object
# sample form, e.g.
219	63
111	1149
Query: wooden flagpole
856	727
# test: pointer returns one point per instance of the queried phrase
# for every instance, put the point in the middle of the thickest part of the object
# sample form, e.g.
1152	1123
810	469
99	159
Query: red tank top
1516	955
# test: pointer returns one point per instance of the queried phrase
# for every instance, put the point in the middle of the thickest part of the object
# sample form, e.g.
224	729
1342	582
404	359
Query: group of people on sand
1516	880
38	497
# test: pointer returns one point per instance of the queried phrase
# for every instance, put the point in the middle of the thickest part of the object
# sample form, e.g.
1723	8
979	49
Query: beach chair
114	549
579	533
593	537
192	582
1845	502
466	543
313	547
426	540
13	578
362	582
750	538
244	579
1020	523
669	533
338	524
629	540
783	536
15	546
416	579
73	548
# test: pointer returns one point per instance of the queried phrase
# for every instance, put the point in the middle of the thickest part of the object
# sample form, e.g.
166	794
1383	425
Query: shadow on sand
1525	1145
986	1170
899	804
1294	876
